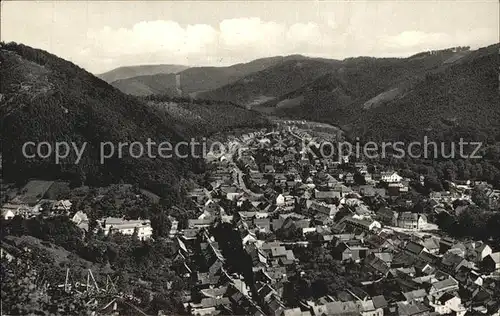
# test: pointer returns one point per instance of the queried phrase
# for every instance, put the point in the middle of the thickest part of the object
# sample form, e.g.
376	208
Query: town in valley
262	158
271	229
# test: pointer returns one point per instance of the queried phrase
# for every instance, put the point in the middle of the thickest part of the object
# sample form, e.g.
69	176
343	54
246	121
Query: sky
103	35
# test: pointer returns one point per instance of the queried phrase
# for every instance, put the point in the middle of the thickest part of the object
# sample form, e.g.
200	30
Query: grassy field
33	191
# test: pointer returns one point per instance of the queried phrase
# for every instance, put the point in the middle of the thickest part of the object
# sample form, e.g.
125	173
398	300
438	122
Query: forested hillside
272	82
462	100
45	98
438	94
141	70
205	117
197	79
148	85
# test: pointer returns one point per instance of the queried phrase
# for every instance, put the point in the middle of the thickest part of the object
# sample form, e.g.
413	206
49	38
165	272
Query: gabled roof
377	264
384	256
445	298
379	301
6	213
388	173
323	230
295	312
342	188
262	221
431	243
228	189
367	306
303	223
385	211
64	203
270	244
365	223
413	295
276	272
341	308
278	251
181	244
447	241
408	216
189	233
79	216
446	283
414	248
326	194
495	257
375	241
321	208
206	278
275	305
265	290
214	292
277	223
409	309
451	260
479	248
428	257
409	271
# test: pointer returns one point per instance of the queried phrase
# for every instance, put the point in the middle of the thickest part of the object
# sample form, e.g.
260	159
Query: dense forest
273	82
460	101
46	98
144	269
197	117
196	79
140	70
445	95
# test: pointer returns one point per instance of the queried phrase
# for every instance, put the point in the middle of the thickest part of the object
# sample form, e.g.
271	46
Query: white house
79	217
368	308
448	303
173	228
446	285
492	261
62	205
249	238
363	222
482	251
390	177
308	230
8	214
410	220
280	200
233	196
5	254
125	227
17	209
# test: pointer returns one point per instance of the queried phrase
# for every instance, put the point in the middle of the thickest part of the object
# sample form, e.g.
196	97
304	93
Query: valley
272	225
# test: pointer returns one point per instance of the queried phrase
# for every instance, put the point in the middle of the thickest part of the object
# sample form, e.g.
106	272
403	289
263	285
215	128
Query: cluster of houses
278	197
326	207
35	200
109	225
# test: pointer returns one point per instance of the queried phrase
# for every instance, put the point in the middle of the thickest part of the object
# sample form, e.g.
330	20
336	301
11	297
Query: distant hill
147	85
206	117
272	82
141	70
197	79
388	98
